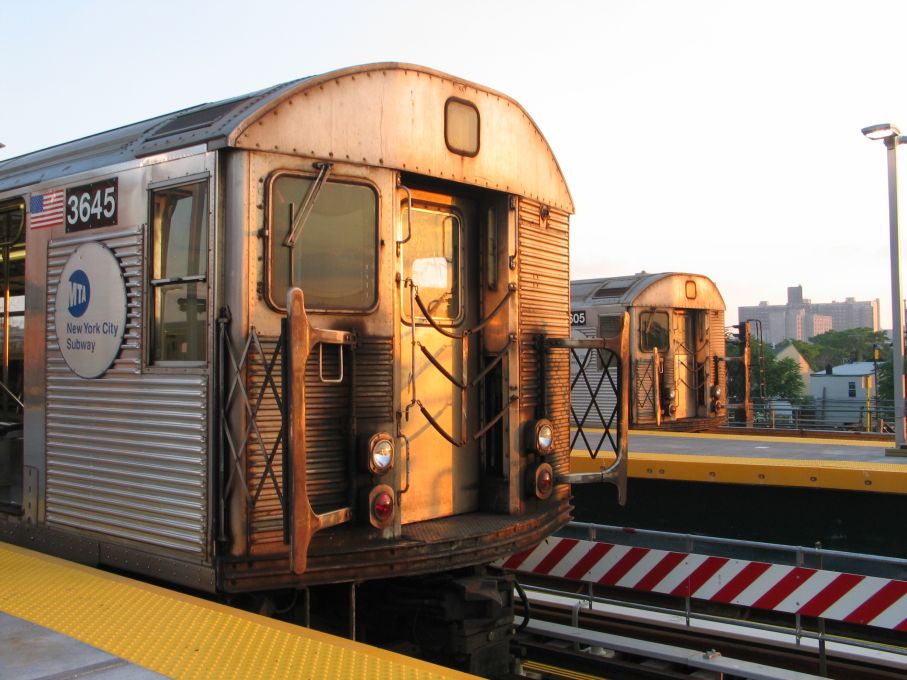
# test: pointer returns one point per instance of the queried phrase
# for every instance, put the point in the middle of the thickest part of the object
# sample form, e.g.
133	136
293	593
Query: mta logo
79	293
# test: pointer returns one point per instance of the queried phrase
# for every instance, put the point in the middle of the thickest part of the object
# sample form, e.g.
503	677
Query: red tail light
382	506
542	481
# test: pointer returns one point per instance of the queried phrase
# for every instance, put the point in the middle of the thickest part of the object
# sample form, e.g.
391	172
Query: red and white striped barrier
797	590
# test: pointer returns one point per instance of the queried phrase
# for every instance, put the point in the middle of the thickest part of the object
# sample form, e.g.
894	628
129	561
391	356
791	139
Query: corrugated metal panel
266	512
327	428
643	399
126	452
544	304
581	396
717	349
375	379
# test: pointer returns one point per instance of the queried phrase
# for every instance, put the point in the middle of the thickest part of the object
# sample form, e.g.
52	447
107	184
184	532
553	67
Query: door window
431	259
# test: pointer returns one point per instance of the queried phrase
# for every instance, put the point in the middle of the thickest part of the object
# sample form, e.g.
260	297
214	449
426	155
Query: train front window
179	273
334	258
653	331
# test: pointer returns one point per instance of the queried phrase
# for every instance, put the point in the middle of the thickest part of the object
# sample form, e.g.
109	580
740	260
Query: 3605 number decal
92	205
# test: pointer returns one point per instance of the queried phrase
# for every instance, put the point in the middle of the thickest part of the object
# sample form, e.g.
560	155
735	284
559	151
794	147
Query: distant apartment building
802	319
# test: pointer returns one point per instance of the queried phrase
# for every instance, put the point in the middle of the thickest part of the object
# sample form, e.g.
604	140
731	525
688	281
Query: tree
843	347
807	350
782	376
885	371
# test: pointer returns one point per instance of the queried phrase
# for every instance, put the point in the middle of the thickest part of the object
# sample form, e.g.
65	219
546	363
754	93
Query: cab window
179	265
333	258
653	331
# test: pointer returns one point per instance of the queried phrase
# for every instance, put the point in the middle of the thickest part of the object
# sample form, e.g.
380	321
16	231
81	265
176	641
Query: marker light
381	506
544	436
543	481
380	453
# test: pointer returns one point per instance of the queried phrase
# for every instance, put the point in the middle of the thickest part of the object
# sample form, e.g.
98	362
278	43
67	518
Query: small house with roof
844	394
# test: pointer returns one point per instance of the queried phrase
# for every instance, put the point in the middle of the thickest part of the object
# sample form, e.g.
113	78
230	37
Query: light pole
892	137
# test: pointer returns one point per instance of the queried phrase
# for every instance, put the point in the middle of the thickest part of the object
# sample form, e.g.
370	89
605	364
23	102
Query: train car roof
664	289
381	140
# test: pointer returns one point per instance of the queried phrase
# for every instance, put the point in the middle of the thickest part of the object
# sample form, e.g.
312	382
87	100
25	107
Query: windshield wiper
308	203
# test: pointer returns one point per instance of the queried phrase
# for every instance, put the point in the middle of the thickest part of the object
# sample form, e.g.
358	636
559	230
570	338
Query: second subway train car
677	345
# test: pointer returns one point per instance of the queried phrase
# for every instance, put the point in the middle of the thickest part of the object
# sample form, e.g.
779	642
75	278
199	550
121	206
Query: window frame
462	254
269	240
641	335
467	104
151	288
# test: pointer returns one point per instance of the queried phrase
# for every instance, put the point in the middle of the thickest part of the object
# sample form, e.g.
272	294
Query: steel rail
613	638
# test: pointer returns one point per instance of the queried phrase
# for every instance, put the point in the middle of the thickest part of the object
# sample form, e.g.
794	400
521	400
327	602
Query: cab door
437	363
684	364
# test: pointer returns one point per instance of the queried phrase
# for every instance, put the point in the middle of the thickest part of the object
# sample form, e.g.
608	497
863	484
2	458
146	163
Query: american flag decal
46	210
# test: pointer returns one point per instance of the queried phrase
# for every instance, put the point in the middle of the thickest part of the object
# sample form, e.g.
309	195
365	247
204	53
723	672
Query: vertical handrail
301	339
618	349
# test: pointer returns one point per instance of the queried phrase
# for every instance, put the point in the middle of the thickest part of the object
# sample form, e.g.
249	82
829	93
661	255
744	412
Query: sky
715	137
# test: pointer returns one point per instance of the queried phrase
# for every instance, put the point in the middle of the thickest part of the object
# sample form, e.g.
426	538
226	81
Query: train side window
12	320
609	326
653	331
334	260
179	254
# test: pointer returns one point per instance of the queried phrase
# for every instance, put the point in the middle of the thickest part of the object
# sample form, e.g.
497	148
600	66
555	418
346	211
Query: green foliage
808	351
782	376
843	347
886	383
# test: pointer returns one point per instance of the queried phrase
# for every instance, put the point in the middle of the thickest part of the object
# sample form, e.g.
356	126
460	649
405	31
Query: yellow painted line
839	474
761	438
544	669
181	636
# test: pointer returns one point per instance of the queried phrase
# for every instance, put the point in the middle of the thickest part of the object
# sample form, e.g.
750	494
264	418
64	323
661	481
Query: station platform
821	463
65	620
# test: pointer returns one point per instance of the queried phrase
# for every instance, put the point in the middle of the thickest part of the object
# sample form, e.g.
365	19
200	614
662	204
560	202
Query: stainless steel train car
677	344
317	334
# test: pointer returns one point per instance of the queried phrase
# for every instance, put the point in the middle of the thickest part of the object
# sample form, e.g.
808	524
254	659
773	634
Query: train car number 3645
91	205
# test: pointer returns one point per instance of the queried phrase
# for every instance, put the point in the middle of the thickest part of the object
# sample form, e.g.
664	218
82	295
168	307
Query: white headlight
380	453
544	436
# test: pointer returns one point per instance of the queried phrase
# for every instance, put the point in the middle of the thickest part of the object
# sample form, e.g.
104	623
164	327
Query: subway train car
318	334
677	345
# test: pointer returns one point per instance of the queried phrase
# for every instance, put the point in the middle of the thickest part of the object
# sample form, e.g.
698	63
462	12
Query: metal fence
873	415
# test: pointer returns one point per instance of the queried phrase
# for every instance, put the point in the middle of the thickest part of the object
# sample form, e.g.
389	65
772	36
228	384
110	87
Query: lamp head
881	131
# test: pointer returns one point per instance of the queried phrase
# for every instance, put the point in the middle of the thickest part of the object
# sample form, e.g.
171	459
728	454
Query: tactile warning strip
181	636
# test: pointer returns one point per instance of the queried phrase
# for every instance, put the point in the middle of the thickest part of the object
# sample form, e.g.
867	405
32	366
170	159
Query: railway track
565	638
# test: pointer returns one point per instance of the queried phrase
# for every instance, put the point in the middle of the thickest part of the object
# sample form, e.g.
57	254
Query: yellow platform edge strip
839	475
181	636
866	443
